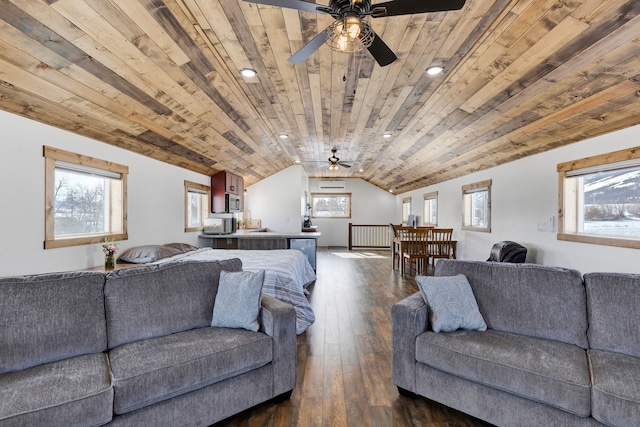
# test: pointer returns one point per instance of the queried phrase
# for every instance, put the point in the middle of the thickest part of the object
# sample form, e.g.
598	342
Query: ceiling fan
334	162
351	32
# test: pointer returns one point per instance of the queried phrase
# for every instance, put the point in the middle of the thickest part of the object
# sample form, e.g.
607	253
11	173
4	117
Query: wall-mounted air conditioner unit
332	185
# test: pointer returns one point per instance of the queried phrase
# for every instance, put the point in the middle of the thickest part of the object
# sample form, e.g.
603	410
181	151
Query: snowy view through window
81	201
612	203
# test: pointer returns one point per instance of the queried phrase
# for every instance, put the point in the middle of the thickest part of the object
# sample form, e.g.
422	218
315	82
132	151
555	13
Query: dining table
397	247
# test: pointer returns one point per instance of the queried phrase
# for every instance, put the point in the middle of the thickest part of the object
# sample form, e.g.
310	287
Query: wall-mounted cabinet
224	184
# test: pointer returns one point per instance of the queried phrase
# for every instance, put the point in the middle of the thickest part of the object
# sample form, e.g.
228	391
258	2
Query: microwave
218	225
232	203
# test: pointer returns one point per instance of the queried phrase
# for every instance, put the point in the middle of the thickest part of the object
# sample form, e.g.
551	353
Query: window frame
425	202
466	215
405	213
51	155
348	195
568	215
203	190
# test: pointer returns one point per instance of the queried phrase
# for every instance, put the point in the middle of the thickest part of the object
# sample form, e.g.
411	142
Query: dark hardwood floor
344	358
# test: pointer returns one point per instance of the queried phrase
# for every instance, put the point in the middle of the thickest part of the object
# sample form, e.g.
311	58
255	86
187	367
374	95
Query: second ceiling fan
351	32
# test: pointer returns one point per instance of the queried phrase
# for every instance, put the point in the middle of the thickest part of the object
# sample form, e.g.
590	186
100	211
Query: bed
287	272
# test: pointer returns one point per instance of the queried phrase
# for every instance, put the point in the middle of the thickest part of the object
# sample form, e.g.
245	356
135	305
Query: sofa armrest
278	320
408	320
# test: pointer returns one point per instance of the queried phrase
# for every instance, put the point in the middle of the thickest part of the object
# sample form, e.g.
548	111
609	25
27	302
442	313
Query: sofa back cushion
613	303
529	299
162	299
49	317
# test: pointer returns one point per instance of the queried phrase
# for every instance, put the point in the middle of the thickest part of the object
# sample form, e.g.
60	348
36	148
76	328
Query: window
196	205
331	205
430	209
406	209
600	199
85	199
476	200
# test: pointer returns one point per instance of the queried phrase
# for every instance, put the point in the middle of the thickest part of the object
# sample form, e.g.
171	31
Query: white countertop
263	233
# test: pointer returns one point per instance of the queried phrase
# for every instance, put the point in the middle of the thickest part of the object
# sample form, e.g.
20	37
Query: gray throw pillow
451	303
237	303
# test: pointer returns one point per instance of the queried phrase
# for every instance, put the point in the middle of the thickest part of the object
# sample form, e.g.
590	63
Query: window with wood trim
600	199
196	205
430	209
406	209
85	199
476	201
331	205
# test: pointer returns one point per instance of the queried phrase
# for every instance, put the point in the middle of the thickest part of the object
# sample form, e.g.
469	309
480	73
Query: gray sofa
134	347
559	350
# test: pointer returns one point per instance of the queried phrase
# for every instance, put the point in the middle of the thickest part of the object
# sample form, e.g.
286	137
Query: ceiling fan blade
344	165
291	4
307	50
409	7
381	52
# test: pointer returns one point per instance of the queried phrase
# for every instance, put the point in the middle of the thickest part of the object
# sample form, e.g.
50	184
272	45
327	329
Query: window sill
478	229
600	240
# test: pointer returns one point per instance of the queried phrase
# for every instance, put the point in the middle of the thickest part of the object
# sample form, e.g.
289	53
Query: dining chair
440	245
414	243
396	244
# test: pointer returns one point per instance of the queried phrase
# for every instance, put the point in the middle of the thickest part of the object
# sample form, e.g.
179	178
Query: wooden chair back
414	242
440	245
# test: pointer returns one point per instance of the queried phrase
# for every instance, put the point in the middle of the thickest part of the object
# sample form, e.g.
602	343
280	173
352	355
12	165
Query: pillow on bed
238	300
146	254
182	247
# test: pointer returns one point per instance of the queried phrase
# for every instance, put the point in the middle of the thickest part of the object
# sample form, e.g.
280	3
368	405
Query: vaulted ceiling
161	78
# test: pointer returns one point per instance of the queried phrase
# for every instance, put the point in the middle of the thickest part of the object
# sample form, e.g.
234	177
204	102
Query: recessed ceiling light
435	70
391	191
284	136
387	135
248	72
360	170
297	161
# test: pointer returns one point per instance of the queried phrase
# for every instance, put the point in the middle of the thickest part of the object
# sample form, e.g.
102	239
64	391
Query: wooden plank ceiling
161	78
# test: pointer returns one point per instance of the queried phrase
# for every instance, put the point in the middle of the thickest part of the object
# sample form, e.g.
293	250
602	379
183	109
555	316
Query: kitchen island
264	239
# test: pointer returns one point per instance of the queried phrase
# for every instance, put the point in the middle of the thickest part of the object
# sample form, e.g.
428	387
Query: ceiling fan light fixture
248	72
349	34
334	167
435	70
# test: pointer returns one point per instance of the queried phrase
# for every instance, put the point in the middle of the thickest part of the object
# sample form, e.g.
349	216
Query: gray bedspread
287	274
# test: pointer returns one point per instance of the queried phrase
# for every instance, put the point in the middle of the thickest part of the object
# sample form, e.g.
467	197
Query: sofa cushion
613	300
50	317
542	370
528	299
616	390
71	392
237	303
148	371
451	303
157	300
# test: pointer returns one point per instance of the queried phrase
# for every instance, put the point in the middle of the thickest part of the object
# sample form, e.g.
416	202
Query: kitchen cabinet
222	183
229	181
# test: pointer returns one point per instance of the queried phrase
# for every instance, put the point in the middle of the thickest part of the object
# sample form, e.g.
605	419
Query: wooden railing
375	236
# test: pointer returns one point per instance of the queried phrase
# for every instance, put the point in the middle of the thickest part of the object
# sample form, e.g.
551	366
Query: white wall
524	193
155	197
276	200
369	205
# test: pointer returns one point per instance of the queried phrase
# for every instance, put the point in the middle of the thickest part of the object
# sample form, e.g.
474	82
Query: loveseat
559	349
135	347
